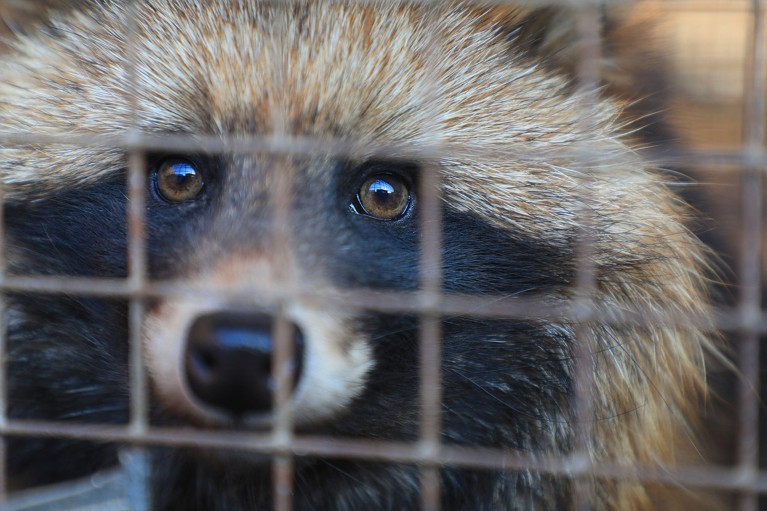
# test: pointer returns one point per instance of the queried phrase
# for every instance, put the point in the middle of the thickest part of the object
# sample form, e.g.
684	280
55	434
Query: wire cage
718	66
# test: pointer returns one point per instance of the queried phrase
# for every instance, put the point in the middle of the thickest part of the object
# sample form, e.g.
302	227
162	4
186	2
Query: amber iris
178	180
384	196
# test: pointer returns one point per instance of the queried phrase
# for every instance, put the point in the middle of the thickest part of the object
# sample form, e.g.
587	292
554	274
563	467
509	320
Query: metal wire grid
428	452
755	120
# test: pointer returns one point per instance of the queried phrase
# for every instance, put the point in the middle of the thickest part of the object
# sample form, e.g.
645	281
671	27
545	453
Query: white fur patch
336	363
336	359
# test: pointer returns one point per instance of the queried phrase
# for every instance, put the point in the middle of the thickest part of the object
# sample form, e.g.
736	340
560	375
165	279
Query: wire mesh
746	319
750	300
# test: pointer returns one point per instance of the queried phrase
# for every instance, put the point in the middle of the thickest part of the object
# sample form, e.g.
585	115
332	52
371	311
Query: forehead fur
361	71
372	71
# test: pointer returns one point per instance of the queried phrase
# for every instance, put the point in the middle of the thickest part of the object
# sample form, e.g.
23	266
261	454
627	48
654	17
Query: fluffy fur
372	72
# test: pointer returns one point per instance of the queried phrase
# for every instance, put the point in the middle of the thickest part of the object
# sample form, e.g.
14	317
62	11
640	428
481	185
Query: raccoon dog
387	73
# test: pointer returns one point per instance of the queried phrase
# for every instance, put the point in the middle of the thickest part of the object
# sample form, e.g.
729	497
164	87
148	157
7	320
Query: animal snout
228	361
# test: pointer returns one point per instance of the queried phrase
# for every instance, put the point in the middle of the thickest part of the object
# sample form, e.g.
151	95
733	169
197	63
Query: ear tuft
632	67
550	32
542	33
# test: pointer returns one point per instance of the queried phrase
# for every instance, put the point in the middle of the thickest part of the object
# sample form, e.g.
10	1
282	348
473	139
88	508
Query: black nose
229	361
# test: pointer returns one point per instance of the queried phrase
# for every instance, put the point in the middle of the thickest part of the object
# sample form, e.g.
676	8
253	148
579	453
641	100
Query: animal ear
632	66
548	34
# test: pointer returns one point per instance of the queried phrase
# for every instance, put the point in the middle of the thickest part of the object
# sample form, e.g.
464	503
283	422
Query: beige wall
707	44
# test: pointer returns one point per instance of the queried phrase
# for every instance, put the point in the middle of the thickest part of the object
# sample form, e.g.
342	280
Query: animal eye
178	180
384	196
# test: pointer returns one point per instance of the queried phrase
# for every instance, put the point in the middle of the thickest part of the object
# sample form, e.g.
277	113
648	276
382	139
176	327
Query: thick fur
371	72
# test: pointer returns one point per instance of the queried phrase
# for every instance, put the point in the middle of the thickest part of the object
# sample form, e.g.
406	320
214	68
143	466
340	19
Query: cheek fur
338	360
164	339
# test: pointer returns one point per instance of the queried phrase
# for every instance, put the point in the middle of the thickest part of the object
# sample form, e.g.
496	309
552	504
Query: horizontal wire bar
299	145
709	476
416	302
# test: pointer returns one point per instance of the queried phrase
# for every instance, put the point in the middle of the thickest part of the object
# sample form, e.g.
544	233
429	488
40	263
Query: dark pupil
383	192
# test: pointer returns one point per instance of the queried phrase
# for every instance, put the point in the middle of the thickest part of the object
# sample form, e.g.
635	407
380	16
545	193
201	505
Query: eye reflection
178	180
384	196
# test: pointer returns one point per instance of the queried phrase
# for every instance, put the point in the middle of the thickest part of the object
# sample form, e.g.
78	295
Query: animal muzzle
211	358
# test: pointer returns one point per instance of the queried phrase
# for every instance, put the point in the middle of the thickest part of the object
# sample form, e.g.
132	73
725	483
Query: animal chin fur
463	76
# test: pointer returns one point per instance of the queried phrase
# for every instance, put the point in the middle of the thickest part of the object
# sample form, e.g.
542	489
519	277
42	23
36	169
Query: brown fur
394	73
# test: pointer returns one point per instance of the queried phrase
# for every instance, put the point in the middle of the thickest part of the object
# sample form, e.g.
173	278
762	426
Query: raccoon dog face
361	73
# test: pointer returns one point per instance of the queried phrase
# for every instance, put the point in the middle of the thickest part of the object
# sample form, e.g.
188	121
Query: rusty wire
752	185
747	318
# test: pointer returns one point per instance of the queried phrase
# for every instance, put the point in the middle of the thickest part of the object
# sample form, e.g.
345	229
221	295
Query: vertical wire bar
750	260
138	469
137	276
430	488
137	256
284	334
430	325
430	354
3	352
283	468
588	73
